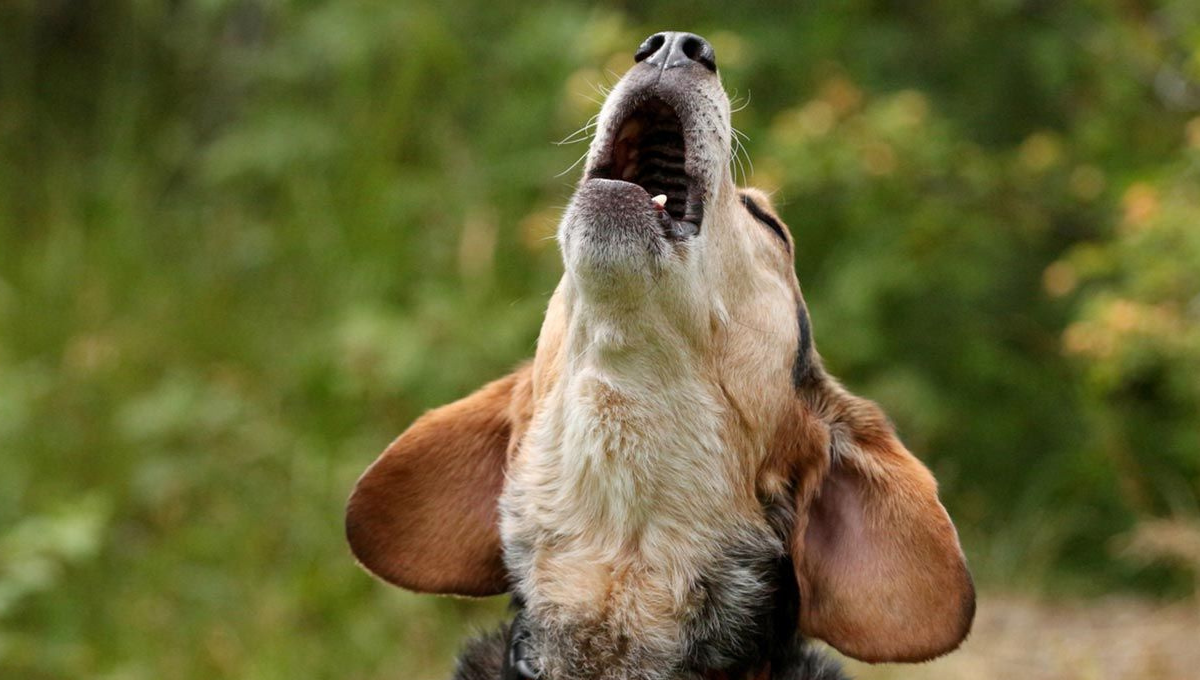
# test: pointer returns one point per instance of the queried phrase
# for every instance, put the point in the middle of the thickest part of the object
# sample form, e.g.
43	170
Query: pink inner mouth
649	150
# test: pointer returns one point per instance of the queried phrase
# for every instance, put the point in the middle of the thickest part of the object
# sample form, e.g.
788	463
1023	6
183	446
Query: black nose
670	49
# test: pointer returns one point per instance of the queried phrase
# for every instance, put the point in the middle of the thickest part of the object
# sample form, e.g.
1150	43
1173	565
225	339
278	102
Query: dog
674	487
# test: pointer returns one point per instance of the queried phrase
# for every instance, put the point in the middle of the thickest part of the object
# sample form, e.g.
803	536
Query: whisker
744	154
580	134
584	136
735	161
573	165
574	138
742	105
738	134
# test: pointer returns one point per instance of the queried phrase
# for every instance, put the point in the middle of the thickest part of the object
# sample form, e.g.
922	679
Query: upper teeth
660	199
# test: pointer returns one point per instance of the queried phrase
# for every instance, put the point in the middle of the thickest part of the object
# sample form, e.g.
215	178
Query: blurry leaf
35	553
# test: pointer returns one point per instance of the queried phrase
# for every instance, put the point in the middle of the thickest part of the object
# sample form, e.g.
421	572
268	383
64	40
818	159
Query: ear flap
881	573
424	515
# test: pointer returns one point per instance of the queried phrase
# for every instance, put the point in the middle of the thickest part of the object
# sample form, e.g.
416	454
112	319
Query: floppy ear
881	573
424	515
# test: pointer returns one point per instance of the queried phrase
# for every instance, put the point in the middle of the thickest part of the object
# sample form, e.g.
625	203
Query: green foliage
244	242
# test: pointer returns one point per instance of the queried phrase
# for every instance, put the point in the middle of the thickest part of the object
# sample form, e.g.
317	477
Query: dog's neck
636	429
629	498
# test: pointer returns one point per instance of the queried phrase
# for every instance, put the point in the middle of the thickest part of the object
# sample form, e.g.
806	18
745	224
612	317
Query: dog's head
672	270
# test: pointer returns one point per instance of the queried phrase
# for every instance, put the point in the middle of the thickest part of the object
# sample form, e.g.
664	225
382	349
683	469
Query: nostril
669	49
649	47
698	50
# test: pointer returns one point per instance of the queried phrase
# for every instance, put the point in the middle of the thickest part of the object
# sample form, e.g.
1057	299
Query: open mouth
649	150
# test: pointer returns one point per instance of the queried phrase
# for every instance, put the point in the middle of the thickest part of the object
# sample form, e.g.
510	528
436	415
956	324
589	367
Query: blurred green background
244	242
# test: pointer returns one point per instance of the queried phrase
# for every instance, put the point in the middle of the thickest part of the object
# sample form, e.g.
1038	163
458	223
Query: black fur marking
762	216
737	626
519	662
483	658
791	659
798	660
802	369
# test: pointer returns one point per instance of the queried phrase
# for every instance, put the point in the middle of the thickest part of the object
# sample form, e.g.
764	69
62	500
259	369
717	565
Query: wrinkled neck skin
630	520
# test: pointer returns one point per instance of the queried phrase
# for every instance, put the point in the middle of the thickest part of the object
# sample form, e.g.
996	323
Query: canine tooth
660	199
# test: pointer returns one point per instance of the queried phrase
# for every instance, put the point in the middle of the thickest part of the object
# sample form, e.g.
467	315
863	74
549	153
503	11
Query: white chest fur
621	497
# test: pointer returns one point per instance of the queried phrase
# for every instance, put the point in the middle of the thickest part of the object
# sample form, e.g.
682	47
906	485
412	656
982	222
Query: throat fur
638	549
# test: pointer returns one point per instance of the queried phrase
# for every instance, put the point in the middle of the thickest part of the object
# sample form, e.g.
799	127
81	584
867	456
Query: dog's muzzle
661	147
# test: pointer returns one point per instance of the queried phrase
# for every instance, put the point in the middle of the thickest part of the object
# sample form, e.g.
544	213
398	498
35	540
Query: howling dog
674	487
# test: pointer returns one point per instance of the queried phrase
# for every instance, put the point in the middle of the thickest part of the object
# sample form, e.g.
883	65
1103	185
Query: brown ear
424	515
881	573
